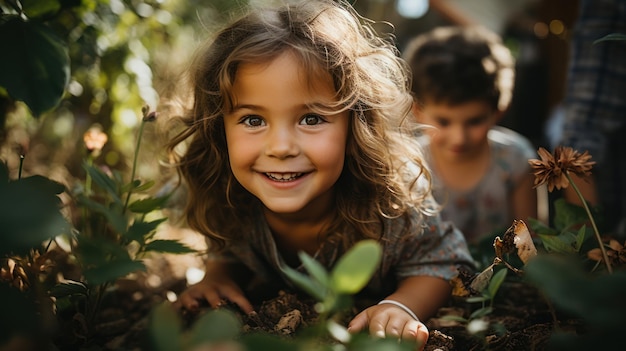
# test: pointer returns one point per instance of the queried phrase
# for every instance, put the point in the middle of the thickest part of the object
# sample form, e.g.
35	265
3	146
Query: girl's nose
282	143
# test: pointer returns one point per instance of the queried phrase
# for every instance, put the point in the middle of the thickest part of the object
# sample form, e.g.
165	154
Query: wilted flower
95	139
553	169
616	253
148	116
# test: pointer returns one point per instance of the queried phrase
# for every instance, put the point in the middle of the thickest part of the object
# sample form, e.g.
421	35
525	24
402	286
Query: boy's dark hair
455	64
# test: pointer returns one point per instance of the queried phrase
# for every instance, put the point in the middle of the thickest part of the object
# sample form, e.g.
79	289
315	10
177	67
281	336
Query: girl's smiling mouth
284	177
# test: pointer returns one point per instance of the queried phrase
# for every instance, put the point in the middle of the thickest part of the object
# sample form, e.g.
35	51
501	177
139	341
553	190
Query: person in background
594	109
462	82
298	139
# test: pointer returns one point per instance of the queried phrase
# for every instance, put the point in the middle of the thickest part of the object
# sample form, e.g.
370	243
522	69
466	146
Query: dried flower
95	139
148	116
616	253
553	169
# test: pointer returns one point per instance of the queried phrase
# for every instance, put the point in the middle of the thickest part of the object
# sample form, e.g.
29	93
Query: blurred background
124	54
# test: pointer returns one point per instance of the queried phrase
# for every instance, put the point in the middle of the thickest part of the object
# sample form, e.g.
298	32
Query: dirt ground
520	320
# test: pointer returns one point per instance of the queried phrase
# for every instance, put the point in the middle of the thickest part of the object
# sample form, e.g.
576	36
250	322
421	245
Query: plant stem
135	157
19	176
593	223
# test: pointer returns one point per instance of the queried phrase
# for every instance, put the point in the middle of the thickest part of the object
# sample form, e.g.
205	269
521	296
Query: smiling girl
297	140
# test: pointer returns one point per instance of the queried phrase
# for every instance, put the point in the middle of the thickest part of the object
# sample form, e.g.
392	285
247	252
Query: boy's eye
477	121
311	119
252	121
442	122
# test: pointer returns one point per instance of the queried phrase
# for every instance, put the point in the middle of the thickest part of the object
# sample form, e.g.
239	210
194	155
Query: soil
520	319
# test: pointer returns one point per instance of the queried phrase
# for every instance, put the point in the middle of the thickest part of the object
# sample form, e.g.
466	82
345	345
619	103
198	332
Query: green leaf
307	284
355	268
38	8
140	229
34	64
562	243
165	328
263	341
71	287
112	271
99	251
148	205
168	246
496	282
30	214
539	227
117	220
136	186
363	342
103	181
481	312
567	215
214	326
315	269
611	37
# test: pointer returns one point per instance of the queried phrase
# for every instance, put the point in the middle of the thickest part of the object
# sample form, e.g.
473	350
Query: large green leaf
165	328
29	213
34	64
355	267
214	326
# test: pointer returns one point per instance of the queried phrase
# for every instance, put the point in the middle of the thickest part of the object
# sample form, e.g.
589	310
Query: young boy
462	84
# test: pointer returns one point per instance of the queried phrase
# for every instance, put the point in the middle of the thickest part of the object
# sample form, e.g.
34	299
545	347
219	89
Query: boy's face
280	150
461	130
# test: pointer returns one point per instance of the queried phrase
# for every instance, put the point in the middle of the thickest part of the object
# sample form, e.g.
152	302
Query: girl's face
461	130
280	150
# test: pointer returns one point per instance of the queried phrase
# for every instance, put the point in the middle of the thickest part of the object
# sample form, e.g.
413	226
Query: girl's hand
216	290
387	320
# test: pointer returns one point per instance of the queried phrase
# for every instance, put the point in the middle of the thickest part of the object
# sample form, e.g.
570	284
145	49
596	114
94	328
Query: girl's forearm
424	295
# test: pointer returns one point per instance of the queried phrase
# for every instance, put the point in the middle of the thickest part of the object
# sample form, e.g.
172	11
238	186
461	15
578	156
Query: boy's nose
282	143
458	134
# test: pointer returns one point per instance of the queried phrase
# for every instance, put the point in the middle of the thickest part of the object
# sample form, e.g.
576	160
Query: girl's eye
252	121
311	119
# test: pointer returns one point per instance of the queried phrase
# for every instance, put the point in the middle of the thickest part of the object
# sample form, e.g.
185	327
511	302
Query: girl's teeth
283	176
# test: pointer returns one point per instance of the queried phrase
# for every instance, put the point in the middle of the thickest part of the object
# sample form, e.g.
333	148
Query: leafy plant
560	272
332	290
113	231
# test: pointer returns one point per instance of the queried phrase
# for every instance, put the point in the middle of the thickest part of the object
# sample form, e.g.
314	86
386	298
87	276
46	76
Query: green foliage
349	276
108	240
568	233
598	300
332	290
30	49
29	212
